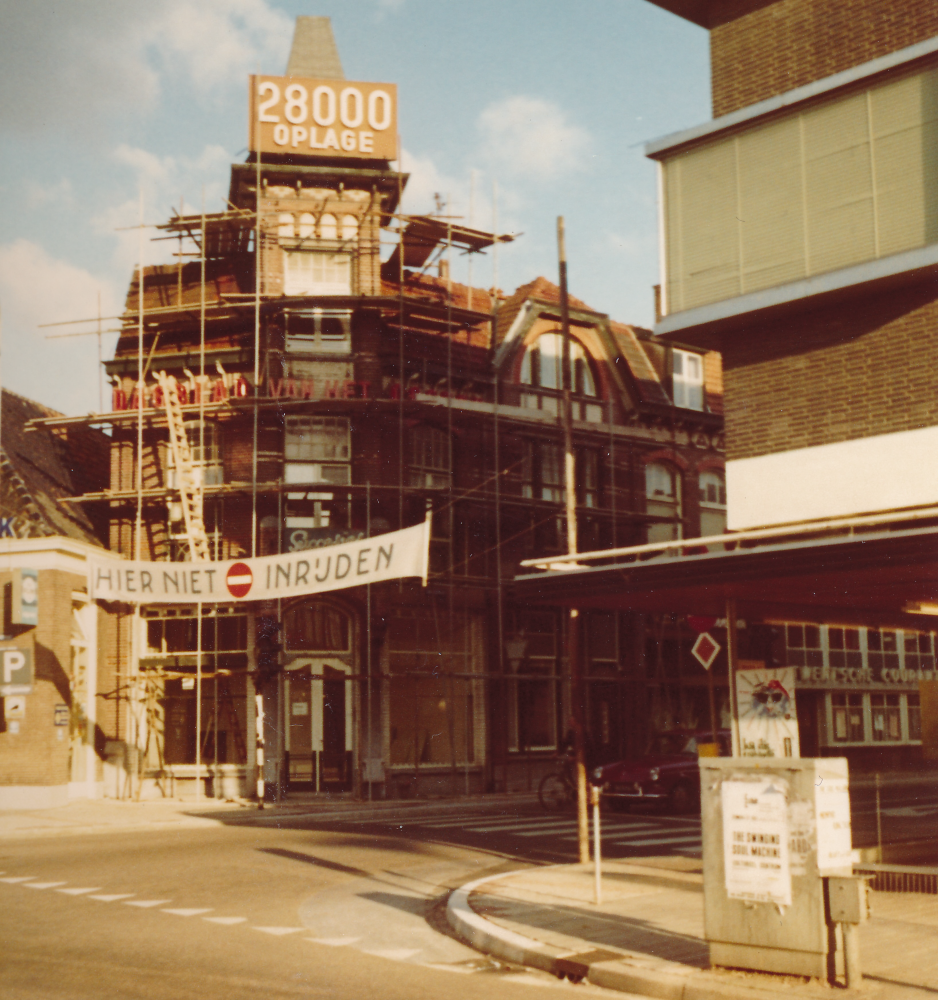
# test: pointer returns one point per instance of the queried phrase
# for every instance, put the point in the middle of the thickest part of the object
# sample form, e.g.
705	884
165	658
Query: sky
113	104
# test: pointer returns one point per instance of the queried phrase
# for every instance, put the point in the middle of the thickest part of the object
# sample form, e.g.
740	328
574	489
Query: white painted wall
886	472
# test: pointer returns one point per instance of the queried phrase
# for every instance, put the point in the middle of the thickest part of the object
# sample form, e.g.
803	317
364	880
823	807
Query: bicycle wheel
553	793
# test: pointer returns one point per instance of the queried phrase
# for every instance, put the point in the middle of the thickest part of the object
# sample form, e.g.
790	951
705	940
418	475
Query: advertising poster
834	837
768	724
755	840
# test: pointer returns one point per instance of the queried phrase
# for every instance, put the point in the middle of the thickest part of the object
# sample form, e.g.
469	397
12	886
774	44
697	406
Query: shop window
317	450
663	498
803	646
847	717
885	717
844	647
882	649
687	380
712	503
316	272
430	458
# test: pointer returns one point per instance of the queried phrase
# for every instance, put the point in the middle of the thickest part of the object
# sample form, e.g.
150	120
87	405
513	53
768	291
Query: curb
596	966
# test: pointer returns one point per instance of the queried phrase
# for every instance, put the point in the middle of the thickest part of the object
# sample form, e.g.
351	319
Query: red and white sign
334	118
705	649
239	579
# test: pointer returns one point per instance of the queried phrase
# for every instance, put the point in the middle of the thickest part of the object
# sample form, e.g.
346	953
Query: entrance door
318	725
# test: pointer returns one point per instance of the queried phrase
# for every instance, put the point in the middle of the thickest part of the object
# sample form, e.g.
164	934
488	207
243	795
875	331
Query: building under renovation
308	372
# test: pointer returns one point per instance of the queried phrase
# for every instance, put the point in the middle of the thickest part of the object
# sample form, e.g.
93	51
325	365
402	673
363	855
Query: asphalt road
244	912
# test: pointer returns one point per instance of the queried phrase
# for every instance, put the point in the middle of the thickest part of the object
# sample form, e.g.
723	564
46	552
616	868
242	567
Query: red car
668	774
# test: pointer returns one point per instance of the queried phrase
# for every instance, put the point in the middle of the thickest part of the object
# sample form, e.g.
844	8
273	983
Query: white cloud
75	65
36	288
531	137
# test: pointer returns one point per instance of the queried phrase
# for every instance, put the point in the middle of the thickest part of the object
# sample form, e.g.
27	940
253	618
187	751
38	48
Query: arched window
327	227
542	368
349	227
712	503
307	225
285	229
663	498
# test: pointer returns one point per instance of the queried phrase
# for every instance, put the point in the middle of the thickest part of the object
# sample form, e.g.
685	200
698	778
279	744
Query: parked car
667	774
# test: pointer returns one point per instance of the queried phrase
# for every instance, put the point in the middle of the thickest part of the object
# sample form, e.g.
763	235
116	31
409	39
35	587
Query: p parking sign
16	672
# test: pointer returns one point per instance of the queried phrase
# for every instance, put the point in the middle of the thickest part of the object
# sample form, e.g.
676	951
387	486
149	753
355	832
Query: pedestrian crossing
621	833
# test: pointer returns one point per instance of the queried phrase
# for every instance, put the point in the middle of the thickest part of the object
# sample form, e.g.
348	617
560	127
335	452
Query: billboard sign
324	118
768	722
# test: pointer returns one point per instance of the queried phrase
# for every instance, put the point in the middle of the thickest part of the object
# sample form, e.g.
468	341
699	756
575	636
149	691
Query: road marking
227	921
395	954
145	903
79	892
660	841
911	811
279	931
44	885
18	878
610	828
195	911
113	896
334	942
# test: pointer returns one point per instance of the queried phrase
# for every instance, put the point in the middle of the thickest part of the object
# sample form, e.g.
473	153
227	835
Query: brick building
800	240
329	394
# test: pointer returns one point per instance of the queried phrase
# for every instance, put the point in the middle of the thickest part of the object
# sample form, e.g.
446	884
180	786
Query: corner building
800	240
329	394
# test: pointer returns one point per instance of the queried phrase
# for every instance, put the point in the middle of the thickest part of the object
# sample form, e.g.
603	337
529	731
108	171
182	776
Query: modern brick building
800	240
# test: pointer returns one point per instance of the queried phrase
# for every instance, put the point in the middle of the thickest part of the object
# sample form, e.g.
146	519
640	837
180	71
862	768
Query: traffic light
267	648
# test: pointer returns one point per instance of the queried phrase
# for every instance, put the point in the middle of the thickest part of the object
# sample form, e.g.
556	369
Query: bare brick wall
793	42
835	374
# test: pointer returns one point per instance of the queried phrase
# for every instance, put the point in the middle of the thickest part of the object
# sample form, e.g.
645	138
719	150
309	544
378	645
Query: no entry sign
239	579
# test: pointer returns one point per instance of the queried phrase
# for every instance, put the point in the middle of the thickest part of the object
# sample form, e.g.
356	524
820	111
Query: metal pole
879	822
573	631
597	855
259	751
732	659
852	973
198	705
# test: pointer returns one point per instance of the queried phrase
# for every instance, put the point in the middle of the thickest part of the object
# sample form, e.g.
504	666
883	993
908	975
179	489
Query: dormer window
687	380
542	369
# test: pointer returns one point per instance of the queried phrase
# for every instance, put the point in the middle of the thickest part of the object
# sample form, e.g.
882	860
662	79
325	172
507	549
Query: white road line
339	942
193	912
661	841
618	828
551	824
18	878
80	892
116	895
146	903
279	931
226	921
44	885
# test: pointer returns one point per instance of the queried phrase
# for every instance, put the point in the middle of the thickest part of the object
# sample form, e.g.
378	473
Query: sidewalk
647	935
115	816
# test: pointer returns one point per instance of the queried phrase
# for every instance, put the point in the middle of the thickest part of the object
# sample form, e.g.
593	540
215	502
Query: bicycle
557	790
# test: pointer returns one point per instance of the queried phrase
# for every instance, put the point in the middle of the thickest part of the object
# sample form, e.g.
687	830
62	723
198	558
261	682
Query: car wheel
681	799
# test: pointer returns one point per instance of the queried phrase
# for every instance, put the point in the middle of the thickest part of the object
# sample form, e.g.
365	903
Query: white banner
390	556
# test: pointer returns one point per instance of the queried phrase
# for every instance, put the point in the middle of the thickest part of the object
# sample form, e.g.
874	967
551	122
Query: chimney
314	53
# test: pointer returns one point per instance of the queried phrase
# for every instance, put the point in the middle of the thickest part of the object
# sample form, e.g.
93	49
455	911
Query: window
206	453
349	227
316	272
327	227
588	472
663	499
844	646
803	644
430	460
885	716
318	331
316	628
317	450
914	715
919	651
542	368
687	380
712	503
847	717
532	649
883	650
542	471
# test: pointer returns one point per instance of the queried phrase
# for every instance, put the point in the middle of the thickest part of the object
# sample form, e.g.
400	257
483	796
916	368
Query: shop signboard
768	724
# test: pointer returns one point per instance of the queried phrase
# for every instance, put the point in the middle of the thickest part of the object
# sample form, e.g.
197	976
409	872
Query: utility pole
573	624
